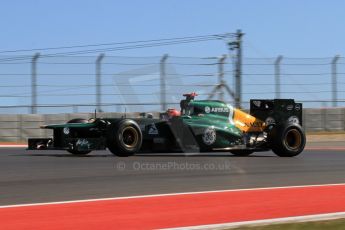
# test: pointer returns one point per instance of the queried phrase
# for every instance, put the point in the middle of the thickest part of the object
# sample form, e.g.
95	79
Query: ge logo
66	130
209	136
207	109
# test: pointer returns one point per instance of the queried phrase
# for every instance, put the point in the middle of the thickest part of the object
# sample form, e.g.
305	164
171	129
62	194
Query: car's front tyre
124	138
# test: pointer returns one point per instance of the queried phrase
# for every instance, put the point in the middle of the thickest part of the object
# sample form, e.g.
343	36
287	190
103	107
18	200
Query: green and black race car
200	125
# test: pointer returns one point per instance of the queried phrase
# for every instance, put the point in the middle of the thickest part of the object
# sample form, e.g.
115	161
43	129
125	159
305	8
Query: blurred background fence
64	84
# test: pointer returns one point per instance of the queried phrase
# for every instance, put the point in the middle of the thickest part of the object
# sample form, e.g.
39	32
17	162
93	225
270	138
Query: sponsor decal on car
216	109
83	144
257	124
207	109
297	107
289	107
153	129
66	130
293	120
270	121
257	103
209	136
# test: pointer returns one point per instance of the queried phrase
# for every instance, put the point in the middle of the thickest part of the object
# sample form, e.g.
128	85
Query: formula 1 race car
200	125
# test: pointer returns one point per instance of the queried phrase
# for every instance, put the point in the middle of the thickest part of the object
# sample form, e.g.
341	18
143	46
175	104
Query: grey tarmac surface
47	176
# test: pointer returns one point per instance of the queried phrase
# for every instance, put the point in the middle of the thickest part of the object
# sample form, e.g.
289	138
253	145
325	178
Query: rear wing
279	111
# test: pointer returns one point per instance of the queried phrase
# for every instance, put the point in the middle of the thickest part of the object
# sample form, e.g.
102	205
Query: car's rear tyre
74	151
241	153
287	141
124	138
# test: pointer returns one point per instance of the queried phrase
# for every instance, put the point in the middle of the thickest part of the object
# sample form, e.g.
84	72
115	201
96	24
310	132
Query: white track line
293	219
166	194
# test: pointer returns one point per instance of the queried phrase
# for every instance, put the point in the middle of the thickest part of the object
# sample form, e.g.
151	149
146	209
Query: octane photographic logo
209	136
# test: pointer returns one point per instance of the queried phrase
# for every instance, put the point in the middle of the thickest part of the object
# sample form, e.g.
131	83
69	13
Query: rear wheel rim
293	139
130	137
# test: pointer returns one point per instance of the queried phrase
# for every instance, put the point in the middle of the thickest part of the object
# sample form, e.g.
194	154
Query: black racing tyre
241	153
124	138
287	141
74	151
77	152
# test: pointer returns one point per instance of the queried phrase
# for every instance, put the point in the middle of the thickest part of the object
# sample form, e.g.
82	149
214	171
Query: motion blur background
131	56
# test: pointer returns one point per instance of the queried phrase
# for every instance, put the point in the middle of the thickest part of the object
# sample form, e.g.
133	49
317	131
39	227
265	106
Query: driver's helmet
173	113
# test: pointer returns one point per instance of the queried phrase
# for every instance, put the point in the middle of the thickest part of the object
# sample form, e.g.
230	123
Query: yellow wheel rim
293	139
130	137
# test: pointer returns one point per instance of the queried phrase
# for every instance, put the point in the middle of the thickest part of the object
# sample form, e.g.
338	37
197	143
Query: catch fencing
46	84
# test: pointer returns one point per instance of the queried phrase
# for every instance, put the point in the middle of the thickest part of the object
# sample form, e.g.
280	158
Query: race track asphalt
47	176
